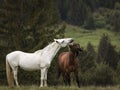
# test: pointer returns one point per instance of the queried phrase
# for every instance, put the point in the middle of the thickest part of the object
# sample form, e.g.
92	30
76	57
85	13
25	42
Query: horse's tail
9	75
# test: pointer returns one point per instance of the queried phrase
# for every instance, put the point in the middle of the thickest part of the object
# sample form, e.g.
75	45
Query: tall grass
33	87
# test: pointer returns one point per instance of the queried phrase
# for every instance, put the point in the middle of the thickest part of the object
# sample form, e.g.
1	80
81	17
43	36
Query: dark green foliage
118	73
87	77
91	50
100	70
30	25
62	6
114	18
102	49
99	20
103	75
36	19
105	3
77	12
27	25
118	68
87	65
117	6
107	53
73	12
89	23
28	78
87	58
93	4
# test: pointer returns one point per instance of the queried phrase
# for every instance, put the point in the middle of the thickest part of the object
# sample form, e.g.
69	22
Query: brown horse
68	62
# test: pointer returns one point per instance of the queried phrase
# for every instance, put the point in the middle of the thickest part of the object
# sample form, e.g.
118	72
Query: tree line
91	14
27	25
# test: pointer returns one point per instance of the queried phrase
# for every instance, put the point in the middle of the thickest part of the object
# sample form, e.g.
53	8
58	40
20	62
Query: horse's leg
15	71
45	80
77	78
42	76
64	78
68	79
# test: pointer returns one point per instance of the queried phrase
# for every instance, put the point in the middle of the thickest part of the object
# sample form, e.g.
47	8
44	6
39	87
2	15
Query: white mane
38	51
47	47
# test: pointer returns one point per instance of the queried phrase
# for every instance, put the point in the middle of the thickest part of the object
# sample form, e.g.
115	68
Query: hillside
84	36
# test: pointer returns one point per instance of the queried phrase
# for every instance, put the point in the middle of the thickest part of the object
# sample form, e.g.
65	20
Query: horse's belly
30	68
29	65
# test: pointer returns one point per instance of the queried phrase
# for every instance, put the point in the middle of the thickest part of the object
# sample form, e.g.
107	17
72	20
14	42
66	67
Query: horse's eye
57	42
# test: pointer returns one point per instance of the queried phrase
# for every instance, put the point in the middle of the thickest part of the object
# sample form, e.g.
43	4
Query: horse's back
12	55
23	59
13	58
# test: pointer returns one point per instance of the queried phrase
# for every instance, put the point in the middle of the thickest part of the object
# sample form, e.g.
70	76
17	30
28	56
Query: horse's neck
75	53
51	50
38	51
72	56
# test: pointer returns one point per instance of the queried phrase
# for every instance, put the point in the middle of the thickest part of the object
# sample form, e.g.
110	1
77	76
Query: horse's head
75	47
63	42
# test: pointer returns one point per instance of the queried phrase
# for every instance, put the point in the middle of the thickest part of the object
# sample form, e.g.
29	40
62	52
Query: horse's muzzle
81	50
71	40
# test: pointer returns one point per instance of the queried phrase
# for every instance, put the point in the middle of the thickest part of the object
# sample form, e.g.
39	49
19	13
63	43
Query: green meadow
83	37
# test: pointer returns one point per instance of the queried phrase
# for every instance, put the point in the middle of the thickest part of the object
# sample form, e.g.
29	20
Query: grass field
61	88
83	36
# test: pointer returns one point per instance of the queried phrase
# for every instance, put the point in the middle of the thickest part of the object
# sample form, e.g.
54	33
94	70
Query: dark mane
75	48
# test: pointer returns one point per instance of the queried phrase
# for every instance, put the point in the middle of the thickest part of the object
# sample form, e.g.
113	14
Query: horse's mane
73	50
38	51
49	45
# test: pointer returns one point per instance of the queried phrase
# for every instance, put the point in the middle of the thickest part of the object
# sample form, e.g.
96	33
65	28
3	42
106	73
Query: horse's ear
56	41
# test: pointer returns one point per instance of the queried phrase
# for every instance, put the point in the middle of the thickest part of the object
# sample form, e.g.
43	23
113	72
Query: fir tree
107	53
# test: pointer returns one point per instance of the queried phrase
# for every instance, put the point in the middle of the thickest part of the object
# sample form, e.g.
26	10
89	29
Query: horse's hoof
40	86
18	86
79	86
11	87
46	86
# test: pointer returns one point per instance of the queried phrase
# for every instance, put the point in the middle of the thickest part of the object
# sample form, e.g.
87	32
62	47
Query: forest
30	25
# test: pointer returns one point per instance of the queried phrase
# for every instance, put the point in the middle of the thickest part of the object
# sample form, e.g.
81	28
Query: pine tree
77	12
89	23
87	58
29	23
116	17
107	53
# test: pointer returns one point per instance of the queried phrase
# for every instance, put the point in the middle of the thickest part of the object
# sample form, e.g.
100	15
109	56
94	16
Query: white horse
39	60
